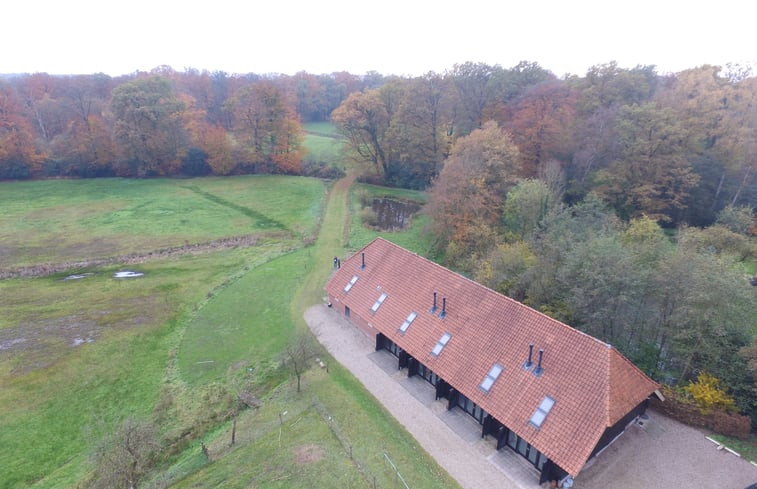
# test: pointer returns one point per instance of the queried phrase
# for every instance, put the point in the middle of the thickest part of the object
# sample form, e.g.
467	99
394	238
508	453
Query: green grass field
53	221
322	142
83	353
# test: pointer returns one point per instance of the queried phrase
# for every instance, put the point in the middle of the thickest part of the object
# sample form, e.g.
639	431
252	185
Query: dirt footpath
658	453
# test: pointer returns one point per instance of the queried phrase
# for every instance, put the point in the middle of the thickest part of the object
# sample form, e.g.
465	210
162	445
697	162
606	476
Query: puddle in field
393	214
81	341
127	274
78	276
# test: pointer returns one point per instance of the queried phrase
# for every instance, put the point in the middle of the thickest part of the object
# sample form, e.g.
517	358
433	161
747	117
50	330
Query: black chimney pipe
538	370
433	309
363	265
528	363
444	308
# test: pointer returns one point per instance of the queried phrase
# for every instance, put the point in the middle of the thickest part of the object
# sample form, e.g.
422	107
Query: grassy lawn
54	221
249	321
323	142
169	346
746	448
96	349
415	238
93	349
323	128
334	434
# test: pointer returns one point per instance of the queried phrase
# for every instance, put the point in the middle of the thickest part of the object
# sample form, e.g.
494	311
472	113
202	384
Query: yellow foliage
708	393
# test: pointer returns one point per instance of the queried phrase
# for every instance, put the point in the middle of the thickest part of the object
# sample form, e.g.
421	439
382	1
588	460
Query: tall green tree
652	174
421	131
149	126
525	206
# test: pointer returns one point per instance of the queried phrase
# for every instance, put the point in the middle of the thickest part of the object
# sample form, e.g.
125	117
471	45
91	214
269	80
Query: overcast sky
403	37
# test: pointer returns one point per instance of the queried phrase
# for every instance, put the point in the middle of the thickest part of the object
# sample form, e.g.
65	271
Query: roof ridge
479	285
608	388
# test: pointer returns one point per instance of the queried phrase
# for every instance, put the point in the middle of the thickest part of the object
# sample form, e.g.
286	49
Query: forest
621	201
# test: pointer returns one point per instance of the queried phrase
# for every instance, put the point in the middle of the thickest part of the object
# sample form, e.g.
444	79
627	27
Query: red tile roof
592	384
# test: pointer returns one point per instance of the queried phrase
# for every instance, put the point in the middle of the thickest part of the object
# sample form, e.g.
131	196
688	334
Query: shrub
681	406
369	217
731	424
707	393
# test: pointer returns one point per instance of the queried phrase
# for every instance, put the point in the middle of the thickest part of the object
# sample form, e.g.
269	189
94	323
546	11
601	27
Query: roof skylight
378	302
541	412
441	344
350	284
491	376
408	321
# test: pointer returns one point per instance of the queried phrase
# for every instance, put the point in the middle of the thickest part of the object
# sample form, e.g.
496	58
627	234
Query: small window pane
487	383
440	344
410	318
350	283
546	404
532	454
495	371
378	302
538	417
512	439
522	446
542	461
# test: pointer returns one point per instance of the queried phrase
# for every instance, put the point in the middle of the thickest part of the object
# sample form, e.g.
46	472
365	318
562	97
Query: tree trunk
717	192
744	182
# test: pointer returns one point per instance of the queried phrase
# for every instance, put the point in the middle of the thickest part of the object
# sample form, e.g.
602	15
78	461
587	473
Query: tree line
676	147
620	202
162	122
678	303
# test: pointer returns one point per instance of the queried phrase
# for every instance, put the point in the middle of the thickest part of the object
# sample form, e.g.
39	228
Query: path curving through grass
330	243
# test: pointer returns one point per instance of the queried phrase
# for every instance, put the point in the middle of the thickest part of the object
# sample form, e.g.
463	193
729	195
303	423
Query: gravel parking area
661	453
656	453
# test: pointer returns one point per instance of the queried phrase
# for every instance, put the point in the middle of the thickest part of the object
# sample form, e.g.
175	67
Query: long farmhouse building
549	392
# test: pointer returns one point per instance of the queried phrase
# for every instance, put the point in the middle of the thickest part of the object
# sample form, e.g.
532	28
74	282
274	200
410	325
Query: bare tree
124	457
298	354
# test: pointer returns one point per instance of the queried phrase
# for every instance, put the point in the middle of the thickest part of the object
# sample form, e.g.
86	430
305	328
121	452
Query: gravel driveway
658	453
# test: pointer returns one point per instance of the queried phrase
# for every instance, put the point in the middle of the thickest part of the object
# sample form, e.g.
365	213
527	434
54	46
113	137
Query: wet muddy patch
388	214
39	344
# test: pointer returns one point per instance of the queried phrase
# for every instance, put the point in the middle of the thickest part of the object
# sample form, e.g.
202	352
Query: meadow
78	356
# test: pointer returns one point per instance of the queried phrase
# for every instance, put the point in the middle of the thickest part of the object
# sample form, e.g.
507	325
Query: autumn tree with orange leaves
18	155
467	198
267	126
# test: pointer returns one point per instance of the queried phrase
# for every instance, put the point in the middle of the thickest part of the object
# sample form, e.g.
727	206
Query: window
378	302
541	412
350	284
408	321
542	461
441	344
488	381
